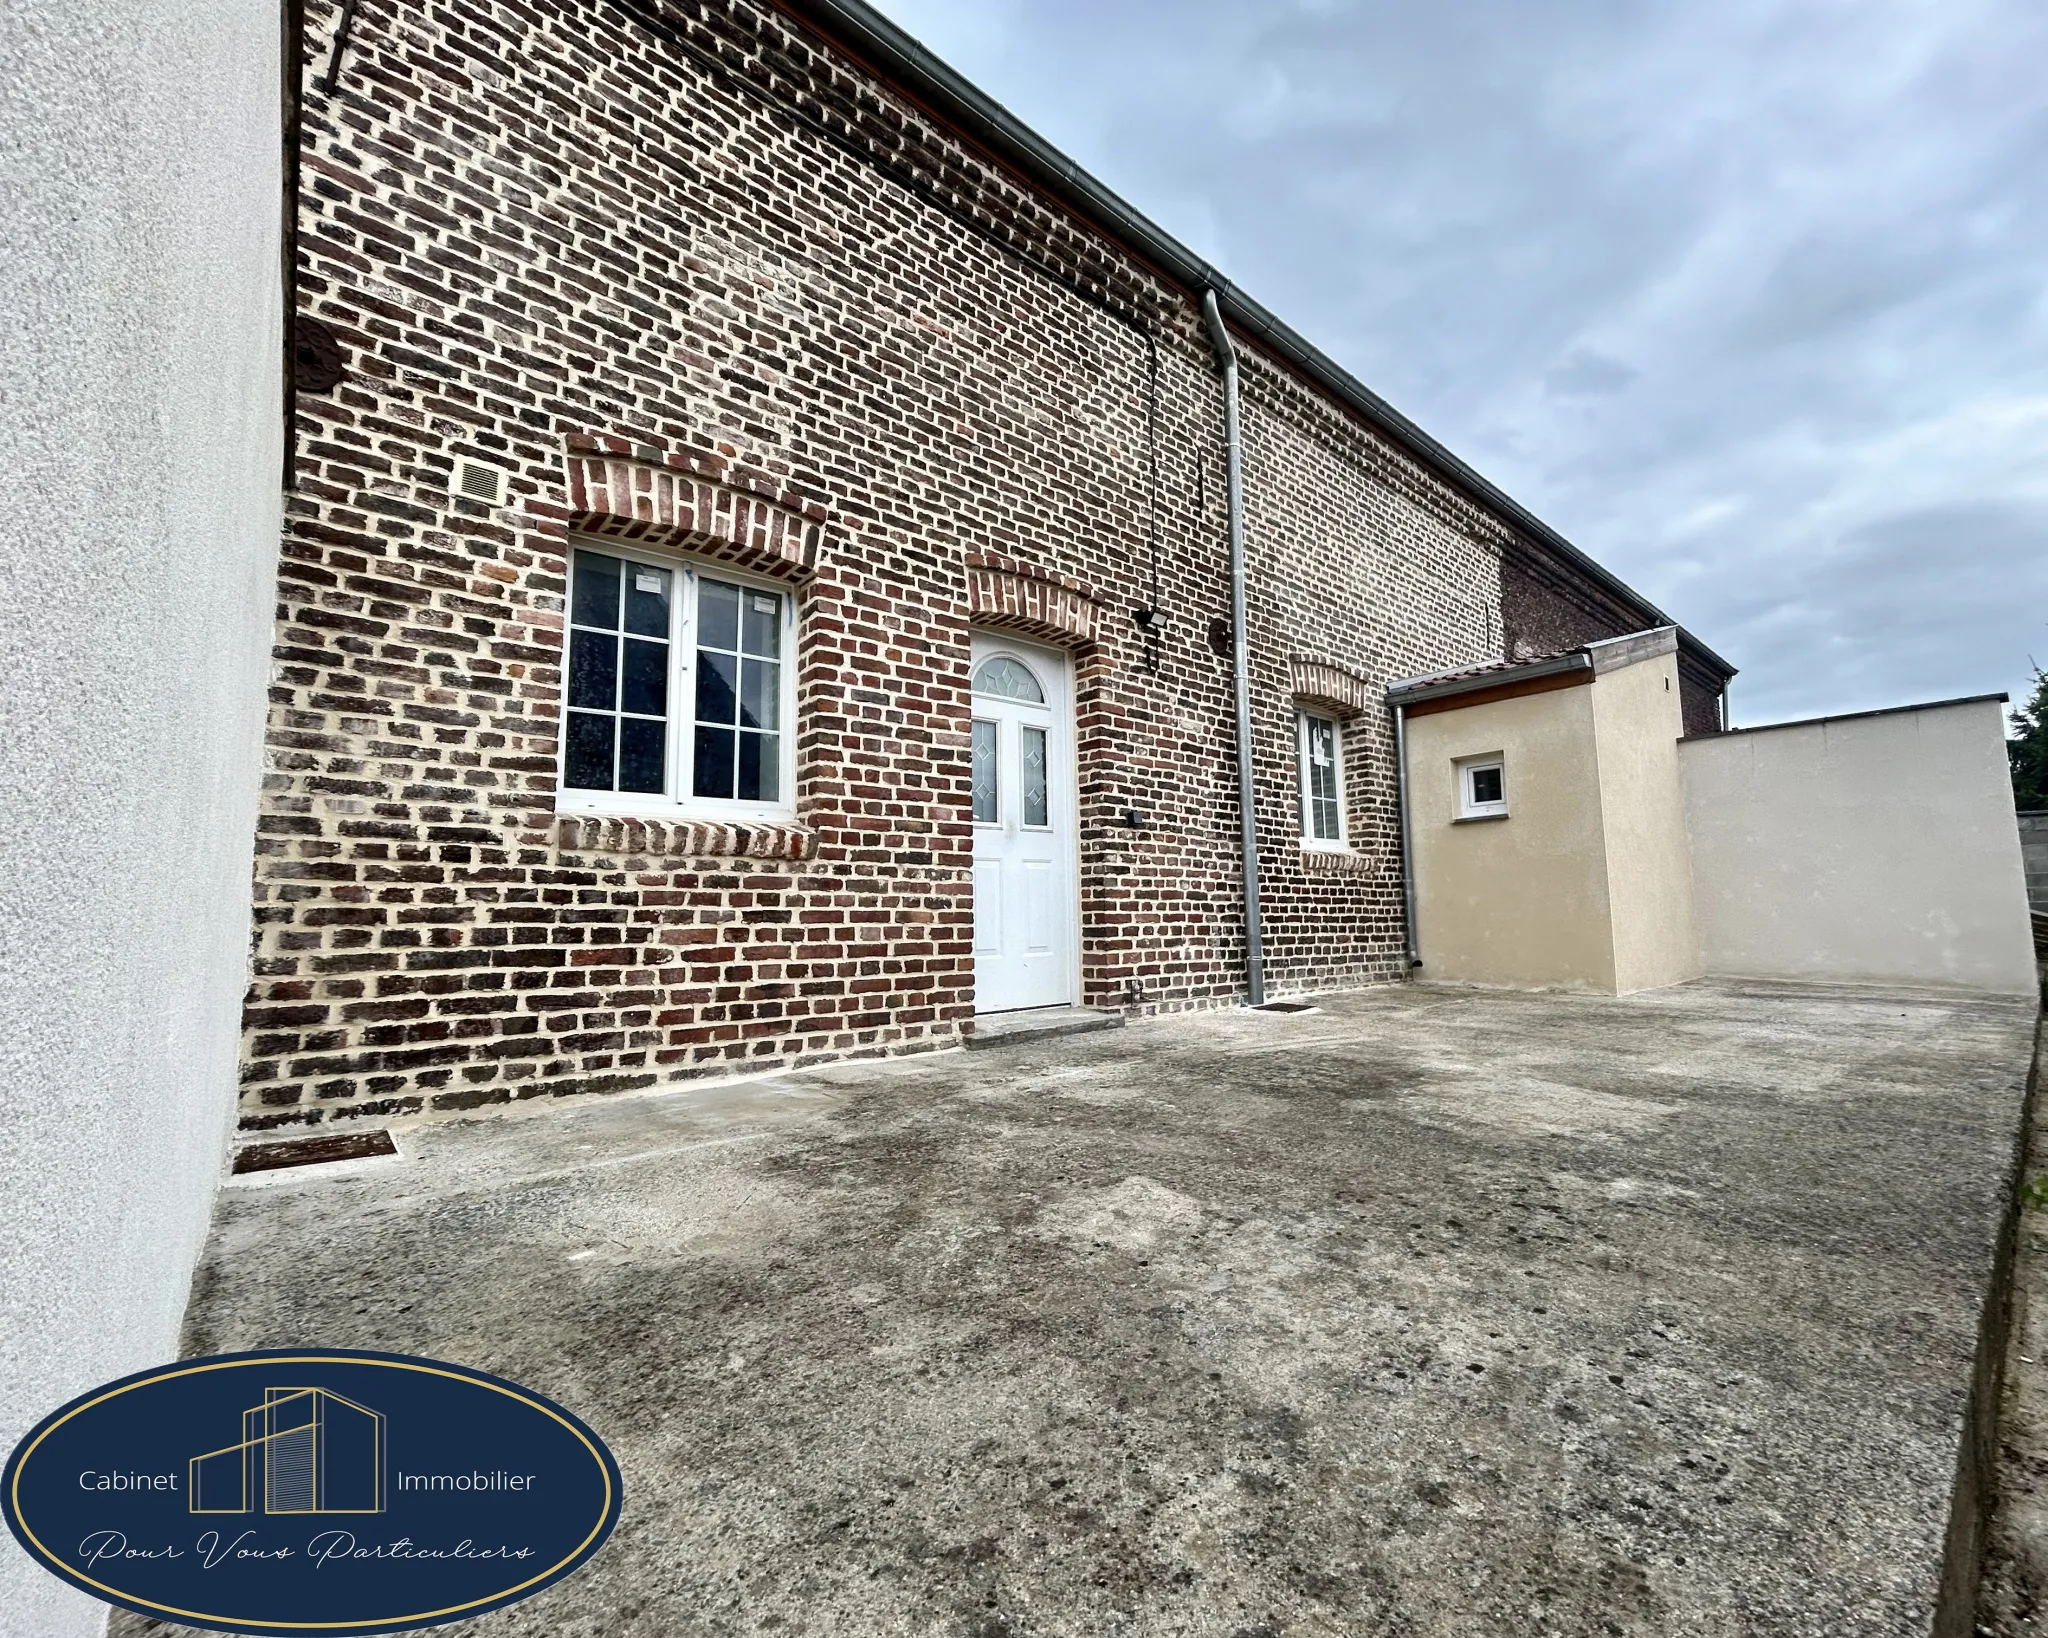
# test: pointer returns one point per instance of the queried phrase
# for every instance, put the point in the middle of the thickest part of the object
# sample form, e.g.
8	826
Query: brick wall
695	280
1547	607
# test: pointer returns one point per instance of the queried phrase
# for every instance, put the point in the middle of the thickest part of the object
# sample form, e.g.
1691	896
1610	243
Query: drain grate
267	1157
1286	1006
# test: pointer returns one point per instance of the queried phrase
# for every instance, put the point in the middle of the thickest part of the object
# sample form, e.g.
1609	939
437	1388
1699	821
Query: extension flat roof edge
902	59
1858	716
1413	690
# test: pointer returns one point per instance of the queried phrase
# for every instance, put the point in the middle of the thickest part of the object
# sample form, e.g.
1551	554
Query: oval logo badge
311	1490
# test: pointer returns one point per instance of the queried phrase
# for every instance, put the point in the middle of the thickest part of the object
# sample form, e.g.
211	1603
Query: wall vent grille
477	482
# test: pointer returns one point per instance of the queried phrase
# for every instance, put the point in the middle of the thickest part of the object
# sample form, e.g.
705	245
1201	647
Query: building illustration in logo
303	1450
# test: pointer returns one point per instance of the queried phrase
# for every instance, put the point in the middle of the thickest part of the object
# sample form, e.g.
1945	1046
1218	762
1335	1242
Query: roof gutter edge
1411	690
872	34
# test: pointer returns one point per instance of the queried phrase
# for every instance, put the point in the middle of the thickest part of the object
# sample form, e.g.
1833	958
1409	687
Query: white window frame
1341	842
677	804
1469	807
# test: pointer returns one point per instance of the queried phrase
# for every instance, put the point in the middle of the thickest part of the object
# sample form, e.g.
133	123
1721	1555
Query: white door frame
1054	669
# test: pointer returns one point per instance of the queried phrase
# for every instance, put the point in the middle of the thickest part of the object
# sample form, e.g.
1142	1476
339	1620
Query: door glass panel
1008	679
1031	777
984	772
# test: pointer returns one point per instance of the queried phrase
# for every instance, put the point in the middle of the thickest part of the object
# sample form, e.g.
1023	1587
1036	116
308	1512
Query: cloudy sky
1748	298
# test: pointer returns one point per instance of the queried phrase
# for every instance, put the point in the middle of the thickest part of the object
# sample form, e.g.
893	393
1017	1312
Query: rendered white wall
140	311
1586	883
1521	901
1876	847
1637	724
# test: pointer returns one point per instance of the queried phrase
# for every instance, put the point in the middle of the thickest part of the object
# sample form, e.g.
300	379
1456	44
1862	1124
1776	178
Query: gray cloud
1748	299
1587	374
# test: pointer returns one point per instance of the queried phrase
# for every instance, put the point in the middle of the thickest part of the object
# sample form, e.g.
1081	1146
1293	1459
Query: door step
1007	1028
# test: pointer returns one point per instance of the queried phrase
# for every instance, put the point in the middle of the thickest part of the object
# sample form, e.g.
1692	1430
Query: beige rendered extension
1586	881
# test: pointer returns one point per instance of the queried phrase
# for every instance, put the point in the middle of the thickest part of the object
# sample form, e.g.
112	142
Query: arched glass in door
1009	679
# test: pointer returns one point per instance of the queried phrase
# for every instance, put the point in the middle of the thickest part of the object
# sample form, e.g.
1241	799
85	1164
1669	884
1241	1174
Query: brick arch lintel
1012	595
659	505
1321	682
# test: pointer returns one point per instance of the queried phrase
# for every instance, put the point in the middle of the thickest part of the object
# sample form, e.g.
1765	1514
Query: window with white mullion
736	703
677	690
1320	757
620	627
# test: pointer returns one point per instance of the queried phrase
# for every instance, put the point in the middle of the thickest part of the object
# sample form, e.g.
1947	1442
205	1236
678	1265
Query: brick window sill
681	838
1335	861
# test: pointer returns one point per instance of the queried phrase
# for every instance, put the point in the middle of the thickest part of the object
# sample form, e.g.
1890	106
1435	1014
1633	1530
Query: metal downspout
1240	648
1407	843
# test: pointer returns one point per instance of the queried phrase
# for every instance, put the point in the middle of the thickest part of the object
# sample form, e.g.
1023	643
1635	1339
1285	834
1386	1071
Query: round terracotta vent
317	361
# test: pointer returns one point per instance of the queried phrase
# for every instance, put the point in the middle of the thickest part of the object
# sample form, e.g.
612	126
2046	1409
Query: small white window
679	690
1483	788
1320	755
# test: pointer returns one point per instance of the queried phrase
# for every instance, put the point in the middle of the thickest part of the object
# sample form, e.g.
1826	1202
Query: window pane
711	770
1323	799
1322	740
642	746
595	601
764	624
760	768
718	615
1322	780
715	692
593	670
587	757
647	594
1008	679
1032	777
984	772
760	694
645	683
1486	786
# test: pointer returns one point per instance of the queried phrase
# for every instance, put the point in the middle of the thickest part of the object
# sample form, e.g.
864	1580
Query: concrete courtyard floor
1431	1312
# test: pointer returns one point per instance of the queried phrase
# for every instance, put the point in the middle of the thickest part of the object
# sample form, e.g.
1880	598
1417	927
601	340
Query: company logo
303	1450
368	1493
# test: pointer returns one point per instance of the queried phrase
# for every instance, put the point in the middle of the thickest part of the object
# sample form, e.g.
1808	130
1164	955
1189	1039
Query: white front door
1024	922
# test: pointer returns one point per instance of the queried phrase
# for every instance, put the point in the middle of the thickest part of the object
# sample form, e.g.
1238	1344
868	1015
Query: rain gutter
1240	653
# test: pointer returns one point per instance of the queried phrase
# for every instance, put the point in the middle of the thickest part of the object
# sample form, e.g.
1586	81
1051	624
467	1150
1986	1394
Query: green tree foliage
2028	747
